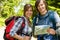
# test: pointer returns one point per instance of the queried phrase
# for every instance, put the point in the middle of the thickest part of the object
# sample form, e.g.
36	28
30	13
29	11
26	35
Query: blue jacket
48	19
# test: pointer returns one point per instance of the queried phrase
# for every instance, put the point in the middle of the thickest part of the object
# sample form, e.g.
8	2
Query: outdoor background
15	7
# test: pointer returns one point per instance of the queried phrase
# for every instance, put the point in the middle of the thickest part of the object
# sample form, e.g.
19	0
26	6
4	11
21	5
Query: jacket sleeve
57	18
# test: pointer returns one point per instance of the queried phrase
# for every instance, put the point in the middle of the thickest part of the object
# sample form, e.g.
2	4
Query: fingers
51	31
26	38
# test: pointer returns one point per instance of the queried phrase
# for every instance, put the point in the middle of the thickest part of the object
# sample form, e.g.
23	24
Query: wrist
20	38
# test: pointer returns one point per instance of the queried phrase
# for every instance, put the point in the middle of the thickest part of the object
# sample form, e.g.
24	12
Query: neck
43	13
27	18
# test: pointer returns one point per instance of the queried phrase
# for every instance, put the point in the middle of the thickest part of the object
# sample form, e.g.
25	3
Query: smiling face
41	6
28	10
28	13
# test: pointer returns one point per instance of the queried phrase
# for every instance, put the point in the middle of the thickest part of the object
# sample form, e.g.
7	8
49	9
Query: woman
46	17
26	33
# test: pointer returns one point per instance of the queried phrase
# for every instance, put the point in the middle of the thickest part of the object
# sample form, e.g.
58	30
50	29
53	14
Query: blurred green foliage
15	7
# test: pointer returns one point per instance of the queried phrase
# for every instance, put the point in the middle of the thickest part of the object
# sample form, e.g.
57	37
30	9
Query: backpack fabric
9	24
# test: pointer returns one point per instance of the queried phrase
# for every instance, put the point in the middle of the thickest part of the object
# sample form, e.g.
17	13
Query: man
46	17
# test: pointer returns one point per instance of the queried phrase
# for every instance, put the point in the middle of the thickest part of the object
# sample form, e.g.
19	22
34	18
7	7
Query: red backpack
9	24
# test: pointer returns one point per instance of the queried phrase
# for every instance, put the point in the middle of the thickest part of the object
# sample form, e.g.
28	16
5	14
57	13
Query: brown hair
37	3
26	7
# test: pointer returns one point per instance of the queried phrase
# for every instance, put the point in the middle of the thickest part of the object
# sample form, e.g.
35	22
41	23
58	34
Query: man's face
41	7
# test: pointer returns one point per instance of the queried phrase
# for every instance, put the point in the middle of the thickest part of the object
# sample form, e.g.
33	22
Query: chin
28	16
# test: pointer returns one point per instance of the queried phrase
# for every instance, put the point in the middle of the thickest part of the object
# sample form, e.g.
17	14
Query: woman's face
28	13
41	7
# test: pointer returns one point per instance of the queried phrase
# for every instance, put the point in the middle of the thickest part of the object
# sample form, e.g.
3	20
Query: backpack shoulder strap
22	26
34	23
51	15
52	18
35	20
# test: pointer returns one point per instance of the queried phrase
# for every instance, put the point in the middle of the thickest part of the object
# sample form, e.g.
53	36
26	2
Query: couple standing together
43	16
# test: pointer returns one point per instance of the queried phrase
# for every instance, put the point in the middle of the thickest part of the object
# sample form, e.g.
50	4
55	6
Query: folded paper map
41	29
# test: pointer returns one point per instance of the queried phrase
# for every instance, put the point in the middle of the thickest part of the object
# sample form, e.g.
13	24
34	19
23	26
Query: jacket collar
41	17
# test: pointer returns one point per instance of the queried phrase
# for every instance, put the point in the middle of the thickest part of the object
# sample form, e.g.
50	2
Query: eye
41	4
30	10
